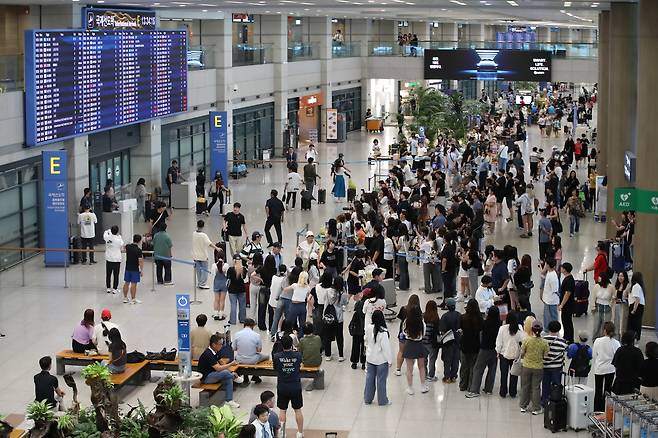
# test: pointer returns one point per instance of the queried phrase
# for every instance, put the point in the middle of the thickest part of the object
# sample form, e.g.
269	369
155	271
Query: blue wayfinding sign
55	204
183	318
219	145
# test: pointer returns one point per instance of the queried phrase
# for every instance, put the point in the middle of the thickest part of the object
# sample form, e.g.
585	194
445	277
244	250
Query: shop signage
625	198
219	145
647	201
332	124
310	100
55	215
183	318
118	19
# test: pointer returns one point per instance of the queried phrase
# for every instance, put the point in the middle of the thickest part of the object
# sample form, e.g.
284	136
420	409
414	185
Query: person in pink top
83	333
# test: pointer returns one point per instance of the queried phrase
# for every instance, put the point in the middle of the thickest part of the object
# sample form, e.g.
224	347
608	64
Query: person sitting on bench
118	352
83	334
248	346
213	371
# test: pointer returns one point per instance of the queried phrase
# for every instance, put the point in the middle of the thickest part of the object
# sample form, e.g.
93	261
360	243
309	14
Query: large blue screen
77	82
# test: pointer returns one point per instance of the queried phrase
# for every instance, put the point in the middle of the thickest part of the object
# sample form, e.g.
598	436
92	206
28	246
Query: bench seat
70	357
266	368
135	373
211	394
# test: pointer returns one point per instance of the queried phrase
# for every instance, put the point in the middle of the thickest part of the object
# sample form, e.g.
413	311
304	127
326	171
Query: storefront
253	131
309	118
348	102
188	143
19	219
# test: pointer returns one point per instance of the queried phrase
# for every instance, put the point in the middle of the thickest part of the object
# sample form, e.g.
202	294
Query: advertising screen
77	82
488	64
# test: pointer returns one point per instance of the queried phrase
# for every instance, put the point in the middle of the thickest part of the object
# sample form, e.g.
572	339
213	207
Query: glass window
29	194
9	199
185	146
10	228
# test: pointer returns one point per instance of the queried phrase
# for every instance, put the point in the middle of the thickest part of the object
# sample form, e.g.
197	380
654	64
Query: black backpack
277	347
580	365
329	316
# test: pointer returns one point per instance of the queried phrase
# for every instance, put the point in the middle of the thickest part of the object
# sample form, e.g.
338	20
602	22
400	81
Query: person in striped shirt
553	360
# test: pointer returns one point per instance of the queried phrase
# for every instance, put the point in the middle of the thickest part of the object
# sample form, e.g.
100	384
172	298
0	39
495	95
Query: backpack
277	347
580	364
329	316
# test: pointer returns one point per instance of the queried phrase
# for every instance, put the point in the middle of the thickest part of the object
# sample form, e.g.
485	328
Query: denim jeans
550	314
603	314
450	358
505	365
376	376
201	268
238	300
551	376
430	361
283	308
298	314
574	224
225	377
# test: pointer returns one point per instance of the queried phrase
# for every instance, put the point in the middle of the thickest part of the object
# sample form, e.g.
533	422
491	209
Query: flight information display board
78	82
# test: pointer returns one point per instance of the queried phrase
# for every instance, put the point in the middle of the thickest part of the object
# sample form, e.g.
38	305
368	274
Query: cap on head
255	235
583	336
310	234
106	314
451	303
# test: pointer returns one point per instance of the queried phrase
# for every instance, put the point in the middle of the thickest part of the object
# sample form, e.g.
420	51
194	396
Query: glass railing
200	57
559	50
252	54
11	73
303	51
346	50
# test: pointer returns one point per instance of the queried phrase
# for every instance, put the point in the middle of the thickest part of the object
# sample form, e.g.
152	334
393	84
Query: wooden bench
169	365
135	373
211	394
70	357
266	368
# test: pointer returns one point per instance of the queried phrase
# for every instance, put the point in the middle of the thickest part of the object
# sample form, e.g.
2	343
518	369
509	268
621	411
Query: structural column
646	230
362	33
623	95
321	35
218	34
543	34
146	158
603	97
274	31
449	32
77	150
476	34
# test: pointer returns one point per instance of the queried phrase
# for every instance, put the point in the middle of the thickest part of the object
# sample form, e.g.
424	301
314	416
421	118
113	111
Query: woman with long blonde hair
300	292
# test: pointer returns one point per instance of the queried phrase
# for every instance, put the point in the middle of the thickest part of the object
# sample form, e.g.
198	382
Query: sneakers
203	286
216	316
538	412
432	379
410	390
472	394
136	301
424	389
238	380
233	404
327	358
169	283
524	410
115	291
353	366
398	373
126	300
109	291
341	359
299	434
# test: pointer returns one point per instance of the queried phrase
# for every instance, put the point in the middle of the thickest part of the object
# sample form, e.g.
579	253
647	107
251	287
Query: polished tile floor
38	320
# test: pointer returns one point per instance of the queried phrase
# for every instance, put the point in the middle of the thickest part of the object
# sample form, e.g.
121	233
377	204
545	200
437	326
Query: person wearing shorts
134	268
287	365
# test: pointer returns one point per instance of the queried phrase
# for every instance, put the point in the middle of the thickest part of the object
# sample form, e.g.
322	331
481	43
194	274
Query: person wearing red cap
102	331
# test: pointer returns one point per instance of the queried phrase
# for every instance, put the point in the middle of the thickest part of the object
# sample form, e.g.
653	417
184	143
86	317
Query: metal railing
252	54
200	57
303	51
560	50
346	50
11	73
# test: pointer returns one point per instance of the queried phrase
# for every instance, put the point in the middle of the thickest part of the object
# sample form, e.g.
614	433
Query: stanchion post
153	274
23	268
66	280
194	300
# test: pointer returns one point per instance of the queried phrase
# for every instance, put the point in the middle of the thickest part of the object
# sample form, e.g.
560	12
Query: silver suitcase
580	404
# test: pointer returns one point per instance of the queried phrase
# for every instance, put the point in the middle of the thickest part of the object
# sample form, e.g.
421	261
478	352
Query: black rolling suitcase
555	414
74	256
322	196
351	195
306	198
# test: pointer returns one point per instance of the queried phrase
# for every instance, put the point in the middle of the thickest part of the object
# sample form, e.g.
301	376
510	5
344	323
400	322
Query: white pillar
544	34
274	30
565	35
218	34
321	34
421	29
362	32
476	33
146	158
77	150
449	32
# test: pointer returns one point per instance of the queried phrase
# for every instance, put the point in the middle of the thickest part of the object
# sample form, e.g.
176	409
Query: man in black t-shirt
353	280
173	174
158	218
46	386
567	302
287	365
274	209
377	245
234	226
134	268
449	267
212	371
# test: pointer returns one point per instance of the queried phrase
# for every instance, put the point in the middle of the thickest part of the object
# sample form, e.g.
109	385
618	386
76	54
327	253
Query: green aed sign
625	198
646	201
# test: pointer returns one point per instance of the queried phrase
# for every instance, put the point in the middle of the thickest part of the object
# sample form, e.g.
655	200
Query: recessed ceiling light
567	4
410	4
457	2
382	10
204	10
512	3
76	0
100	1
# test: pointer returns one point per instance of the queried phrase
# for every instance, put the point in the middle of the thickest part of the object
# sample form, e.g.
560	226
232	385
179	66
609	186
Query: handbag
517	367
135	357
447	337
